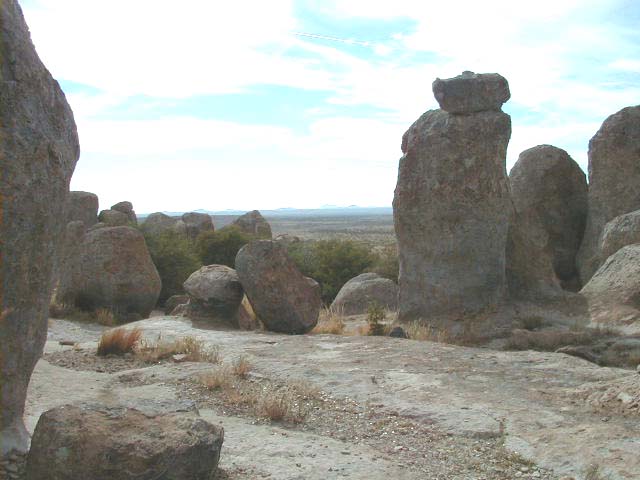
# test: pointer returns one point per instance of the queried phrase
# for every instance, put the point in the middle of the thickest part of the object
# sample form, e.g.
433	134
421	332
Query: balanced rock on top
471	92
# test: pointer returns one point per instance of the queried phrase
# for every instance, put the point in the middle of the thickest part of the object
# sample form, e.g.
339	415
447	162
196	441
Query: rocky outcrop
83	207
87	441
282	298
614	176
114	218
126	208
214	291
69	257
451	210
254	224
193	224
472	92
158	222
550	187
115	271
38	152
173	301
620	232
613	293
358	293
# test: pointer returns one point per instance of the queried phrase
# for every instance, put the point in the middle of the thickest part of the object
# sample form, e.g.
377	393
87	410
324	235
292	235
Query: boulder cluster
470	237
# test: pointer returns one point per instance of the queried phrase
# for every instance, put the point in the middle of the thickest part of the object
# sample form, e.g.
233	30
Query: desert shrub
330	321
331	263
241	367
221	246
194	350
281	406
119	341
218	378
375	317
386	263
174	256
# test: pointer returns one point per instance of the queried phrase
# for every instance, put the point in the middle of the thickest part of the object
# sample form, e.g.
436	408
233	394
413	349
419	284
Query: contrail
334	39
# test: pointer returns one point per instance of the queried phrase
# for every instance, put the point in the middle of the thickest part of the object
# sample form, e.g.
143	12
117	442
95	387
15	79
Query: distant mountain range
325	210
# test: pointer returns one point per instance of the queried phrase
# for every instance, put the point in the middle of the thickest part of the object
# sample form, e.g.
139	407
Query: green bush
220	247
174	256
331	263
375	317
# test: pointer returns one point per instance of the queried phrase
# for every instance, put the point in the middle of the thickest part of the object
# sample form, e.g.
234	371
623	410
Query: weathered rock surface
193	223
550	187
38	152
451	214
114	218
254	224
283	299
614	176
83	206
173	301
214	290
126	208
613	293
69	257
471	92
358	293
620	232
159	222
115	271
92	441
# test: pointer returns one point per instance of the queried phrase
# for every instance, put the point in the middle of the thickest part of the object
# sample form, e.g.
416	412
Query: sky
243	104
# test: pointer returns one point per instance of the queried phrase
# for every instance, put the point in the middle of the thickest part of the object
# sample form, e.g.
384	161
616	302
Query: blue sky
300	103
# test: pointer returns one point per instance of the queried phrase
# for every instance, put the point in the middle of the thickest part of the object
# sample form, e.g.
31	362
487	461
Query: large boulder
115	271
614	176
38	152
613	293
214	291
83	207
620	232
193	224
158	222
126	208
67	258
114	218
80	442
254	224
549	186
283	299
451	213
472	92
358	293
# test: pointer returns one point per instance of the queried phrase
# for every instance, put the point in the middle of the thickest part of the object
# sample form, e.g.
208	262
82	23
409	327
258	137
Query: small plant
119	341
217	379
241	367
375	317
330	322
194	349
104	316
281	406
592	472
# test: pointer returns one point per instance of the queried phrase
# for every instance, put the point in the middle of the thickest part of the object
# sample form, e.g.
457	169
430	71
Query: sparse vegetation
386	263
194	350
375	317
549	340
280	406
593	472
241	367
103	316
417	330
330	322
119	341
175	258
220	247
218	378
331	263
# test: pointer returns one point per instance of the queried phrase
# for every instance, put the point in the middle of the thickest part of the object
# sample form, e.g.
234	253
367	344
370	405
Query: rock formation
358	293
38	152
158	222
83	207
548	186
614	176
620	232
114	218
254	224
283	299
89	441
613	291
126	208
115	271
193	224
451	204
214	291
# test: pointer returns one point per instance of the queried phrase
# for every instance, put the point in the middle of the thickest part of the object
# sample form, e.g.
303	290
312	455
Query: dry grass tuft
241	367
592	472
217	379
281	406
552	339
417	330
104	316
330	322
119	341
194	349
